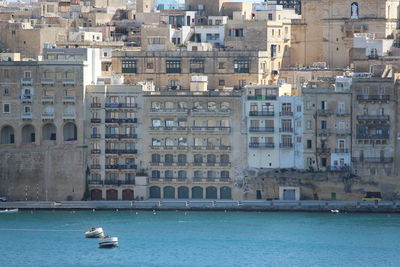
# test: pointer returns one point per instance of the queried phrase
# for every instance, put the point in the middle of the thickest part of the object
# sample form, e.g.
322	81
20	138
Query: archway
49	131
183	192
211	192
96	194
169	192
7	135
197	192
112	194
127	194
225	192
28	134
70	132
155	192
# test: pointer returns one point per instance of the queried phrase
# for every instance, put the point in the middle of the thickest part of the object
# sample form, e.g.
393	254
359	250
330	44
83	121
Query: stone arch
96	194
49	131
70	132
7	135
112	194
225	192
211	192
127	194
183	192
197	192
28	134
169	192
155	192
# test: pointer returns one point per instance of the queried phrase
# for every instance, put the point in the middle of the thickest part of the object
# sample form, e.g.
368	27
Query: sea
178	238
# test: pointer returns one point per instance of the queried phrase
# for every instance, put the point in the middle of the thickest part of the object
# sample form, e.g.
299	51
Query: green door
169	192
155	192
211	192
183	192
197	192
225	192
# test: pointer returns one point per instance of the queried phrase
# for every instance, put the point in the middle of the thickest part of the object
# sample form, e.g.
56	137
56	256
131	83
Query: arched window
183	192
224	175
182	175
7	135
155	192
28	134
70	132
197	192
169	192
211	192
225	192
155	174
49	132
155	158
169	158
198	158
211	158
182	158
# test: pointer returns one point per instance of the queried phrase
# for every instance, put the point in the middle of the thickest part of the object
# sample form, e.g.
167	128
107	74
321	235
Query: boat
334	211
108	242
95	233
9	211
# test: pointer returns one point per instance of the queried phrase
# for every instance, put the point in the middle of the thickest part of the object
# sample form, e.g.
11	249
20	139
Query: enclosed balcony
262	113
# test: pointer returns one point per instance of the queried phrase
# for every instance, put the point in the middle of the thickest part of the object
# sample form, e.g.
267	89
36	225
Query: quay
212	205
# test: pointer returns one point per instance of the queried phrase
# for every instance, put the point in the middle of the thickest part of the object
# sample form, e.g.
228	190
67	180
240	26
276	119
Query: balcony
47	81
211	148
373	98
286	145
342	131
120	105
169	111
262	113
286	130
95	136
339	168
47	99
68	116
47	116
373	117
121	151
261	145
261	97
118	182
95	151
68	99
262	129
26	98
286	113
121	167
95	167
323	150
167	128
174	147
121	120
203	112
26	81
373	159
121	136
95	105
95	120
68	81
322	132
342	113
201	129
341	150
383	136
26	115
324	112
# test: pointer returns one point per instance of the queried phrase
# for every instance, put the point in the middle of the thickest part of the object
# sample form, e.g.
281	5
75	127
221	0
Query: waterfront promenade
210	205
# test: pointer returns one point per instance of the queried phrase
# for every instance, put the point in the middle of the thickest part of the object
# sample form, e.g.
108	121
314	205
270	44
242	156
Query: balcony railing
211	129
342	113
47	116
96	151
68	116
286	130
168	128
121	151
26	80
342	131
373	117
26	98
95	167
339	168
323	150
372	136
286	145
261	97
95	105
121	105
324	112
121	167
26	115
68	81
95	120
47	99
95	136
121	136
205	112
211	148
262	113
68	99
285	113
47	81
261	145
373	97
341	150
323	131
373	159
169	111
121	120
112	182
174	147
262	129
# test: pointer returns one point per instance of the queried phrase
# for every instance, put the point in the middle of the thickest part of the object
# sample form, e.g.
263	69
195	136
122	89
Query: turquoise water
168	238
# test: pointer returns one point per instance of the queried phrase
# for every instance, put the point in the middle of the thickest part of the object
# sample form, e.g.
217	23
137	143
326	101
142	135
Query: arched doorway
49	131
211	192
28	134
197	192
112	194
70	132
155	192
127	194
96	194
169	192
7	135
183	192
225	192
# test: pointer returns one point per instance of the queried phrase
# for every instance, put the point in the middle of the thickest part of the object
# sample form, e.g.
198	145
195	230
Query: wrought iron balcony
373	98
96	151
205	112
286	145
261	145
211	148
95	136
68	99
323	150
169	111
262	113
121	120
373	117
341	150
286	130
95	120
285	113
47	99
121	105
121	136
121	151
167	128
95	167
373	159
95	105
26	81
324	112
211	129
121	167
262	129
261	97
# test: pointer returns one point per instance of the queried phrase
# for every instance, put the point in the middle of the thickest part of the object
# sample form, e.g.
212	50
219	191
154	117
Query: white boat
9	211
108	242
334	211
94	233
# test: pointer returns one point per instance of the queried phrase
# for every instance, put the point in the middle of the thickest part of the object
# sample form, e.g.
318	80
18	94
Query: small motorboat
108	242
95	233
9	211
335	211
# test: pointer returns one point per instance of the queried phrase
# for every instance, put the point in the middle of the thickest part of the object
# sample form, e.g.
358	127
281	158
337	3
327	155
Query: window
324	124
129	66
156	142
221	82
242	83
6	91
236	32
273	50
309	144
197	66
6	108
242	66
149	65
155	174
323	162
221	65
173	66
270	16
298	108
